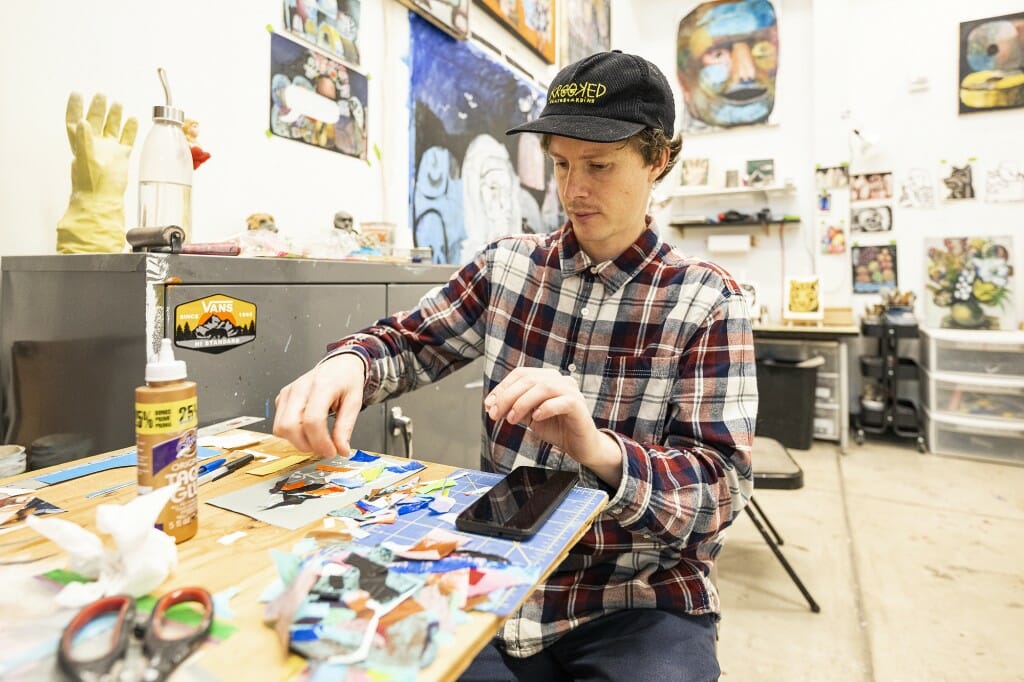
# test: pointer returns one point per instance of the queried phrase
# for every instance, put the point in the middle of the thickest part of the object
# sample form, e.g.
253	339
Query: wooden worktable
253	652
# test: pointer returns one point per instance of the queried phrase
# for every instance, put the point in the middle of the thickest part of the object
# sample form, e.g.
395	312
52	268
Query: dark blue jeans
635	646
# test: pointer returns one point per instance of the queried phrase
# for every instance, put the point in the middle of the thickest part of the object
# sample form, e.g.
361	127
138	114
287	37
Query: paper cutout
277	465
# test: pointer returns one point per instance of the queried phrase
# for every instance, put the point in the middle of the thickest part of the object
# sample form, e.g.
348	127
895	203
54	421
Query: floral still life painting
970	283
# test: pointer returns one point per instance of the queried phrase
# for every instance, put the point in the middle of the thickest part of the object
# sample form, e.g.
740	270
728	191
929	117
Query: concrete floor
915	560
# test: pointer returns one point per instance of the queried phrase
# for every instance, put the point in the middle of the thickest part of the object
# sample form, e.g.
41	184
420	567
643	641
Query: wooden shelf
691	192
750	223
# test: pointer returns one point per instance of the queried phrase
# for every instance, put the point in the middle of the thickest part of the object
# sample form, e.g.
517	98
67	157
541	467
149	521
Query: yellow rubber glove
94	221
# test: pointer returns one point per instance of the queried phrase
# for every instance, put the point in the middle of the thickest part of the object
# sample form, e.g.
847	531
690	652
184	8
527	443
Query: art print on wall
871	219
760	172
532	21
803	299
727	58
874	268
1005	182
969	282
470	183
451	16
316	100
991	63
695	172
959	181
870	186
833	177
833	239
332	26
917	189
587	28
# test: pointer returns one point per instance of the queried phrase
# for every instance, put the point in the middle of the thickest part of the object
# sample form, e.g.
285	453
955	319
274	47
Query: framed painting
532	21
587	29
969	282
451	16
990	63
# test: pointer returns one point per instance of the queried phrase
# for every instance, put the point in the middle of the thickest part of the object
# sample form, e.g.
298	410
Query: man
607	352
727	53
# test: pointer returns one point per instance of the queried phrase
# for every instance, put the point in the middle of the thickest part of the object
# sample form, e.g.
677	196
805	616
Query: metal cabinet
77	329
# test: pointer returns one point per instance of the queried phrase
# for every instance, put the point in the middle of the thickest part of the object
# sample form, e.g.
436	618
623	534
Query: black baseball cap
605	97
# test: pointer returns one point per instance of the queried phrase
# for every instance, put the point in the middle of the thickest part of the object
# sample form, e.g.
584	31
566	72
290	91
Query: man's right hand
303	406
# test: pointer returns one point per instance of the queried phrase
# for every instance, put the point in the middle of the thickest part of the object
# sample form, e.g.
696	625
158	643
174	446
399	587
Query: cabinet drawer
827	388
987	353
976	396
794	350
826	422
975	438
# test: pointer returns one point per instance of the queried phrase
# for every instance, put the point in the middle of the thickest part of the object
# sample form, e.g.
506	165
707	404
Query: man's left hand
551	405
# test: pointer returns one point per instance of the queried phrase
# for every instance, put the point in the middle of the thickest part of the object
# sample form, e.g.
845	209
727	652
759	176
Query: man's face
604	189
727	55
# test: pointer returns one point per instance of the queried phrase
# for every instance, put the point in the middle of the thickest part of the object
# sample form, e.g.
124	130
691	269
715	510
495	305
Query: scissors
163	647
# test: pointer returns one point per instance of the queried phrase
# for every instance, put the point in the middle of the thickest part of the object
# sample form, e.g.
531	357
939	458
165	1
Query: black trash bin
785	408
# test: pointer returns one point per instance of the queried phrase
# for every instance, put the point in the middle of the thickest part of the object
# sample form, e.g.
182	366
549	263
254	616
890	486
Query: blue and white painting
469	182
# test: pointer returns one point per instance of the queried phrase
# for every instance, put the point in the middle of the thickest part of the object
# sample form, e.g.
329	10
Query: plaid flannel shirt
662	349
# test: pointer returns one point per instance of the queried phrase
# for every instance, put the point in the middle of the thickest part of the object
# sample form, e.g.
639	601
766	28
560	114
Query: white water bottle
165	170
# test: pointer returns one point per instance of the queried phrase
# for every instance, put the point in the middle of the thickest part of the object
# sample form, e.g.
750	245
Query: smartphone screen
519	504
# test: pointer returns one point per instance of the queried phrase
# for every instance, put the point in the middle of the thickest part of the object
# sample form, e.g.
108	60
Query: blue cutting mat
536	552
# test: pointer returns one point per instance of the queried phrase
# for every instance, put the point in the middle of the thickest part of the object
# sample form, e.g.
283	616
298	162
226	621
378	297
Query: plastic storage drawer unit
985	439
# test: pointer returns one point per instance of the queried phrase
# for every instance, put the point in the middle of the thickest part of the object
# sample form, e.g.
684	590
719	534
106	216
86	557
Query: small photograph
695	172
874	268
869	186
833	177
959	182
871	219
833	239
760	172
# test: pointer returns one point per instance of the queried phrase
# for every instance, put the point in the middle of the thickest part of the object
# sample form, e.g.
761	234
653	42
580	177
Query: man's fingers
113	125
97	110
348	411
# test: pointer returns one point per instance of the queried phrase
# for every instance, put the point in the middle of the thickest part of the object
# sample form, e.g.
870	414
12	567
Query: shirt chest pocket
636	392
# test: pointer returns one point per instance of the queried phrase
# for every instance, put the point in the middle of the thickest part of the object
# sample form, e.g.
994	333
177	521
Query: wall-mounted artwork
874	268
532	21
833	239
833	177
470	183
969	282
332	26
587	28
917	189
760	173
959	181
727	56
871	219
803	299
695	171
1005	182
451	16
991	61
316	100
869	186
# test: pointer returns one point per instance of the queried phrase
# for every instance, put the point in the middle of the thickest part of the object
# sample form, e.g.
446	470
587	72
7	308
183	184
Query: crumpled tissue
143	558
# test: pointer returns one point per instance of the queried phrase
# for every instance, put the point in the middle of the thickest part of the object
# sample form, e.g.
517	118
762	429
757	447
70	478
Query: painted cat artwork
959	183
803	299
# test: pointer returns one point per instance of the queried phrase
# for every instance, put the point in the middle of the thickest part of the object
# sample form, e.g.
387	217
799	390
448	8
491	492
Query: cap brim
588	128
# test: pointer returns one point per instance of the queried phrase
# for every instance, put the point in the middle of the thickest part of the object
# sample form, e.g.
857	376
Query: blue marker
210	466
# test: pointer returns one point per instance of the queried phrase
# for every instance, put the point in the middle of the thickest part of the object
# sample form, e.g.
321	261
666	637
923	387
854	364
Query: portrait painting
587	28
315	99
470	183
871	219
992	63
727	59
532	21
958	181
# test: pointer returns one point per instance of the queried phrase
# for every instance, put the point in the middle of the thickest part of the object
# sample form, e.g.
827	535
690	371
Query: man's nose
742	68
574	183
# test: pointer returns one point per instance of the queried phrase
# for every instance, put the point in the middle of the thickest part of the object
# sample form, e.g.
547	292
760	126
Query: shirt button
593	269
585	312
572	367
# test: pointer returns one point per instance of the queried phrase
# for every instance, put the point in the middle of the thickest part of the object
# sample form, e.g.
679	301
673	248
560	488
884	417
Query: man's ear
658	167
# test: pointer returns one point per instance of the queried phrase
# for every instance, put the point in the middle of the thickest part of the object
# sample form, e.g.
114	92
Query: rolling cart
885	403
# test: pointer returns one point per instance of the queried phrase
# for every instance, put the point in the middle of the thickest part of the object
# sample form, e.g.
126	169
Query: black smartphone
519	504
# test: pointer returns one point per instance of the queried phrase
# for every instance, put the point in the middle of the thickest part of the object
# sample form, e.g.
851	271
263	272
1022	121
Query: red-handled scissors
164	644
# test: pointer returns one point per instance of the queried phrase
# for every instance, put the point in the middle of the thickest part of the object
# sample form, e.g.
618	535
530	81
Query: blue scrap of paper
128	459
361	456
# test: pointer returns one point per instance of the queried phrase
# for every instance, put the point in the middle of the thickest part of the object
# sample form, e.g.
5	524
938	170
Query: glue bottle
165	436
165	170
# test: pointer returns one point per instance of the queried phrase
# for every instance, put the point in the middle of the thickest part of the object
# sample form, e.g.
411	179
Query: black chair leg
764	518
785	564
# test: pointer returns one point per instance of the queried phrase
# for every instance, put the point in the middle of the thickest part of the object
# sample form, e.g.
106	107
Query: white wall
842	62
217	56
